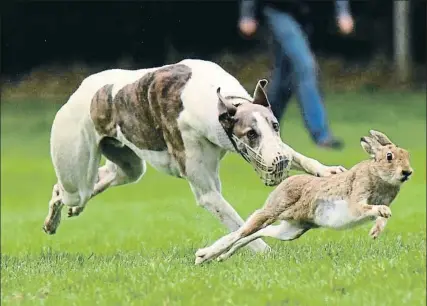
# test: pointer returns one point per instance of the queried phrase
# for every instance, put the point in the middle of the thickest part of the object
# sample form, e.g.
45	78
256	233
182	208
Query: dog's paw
74	211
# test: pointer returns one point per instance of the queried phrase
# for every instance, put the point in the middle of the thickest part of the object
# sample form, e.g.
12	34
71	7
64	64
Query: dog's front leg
312	166
211	199
202	169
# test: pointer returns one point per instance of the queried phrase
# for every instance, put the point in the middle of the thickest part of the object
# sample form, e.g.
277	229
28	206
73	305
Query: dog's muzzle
271	172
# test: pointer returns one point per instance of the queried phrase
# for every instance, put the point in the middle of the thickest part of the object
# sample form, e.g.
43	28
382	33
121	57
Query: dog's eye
389	156
251	134
276	126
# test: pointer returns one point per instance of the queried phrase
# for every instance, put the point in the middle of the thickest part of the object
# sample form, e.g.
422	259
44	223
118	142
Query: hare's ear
380	137
369	145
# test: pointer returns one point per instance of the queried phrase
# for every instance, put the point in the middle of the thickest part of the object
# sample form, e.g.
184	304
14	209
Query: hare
302	202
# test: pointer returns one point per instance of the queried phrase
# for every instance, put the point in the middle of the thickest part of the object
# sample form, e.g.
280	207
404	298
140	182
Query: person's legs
294	46
280	87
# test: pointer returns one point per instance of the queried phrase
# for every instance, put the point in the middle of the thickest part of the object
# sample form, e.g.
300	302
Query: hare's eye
389	156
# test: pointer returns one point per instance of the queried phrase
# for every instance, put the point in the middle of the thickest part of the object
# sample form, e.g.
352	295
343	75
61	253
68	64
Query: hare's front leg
343	214
376	211
378	227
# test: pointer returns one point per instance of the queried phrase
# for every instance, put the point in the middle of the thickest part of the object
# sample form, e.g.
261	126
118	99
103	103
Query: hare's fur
303	202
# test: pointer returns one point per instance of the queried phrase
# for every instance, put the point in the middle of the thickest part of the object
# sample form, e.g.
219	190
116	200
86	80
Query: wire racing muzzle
272	168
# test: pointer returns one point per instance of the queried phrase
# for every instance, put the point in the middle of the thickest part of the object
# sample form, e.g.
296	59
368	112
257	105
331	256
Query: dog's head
255	130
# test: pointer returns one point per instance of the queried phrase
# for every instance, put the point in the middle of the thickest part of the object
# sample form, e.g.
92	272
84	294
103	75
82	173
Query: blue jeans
295	70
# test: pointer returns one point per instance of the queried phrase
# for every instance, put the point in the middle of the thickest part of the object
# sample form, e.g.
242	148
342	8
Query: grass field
134	245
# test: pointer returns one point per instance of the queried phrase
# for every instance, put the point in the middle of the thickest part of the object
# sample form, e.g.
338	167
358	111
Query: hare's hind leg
285	231
258	220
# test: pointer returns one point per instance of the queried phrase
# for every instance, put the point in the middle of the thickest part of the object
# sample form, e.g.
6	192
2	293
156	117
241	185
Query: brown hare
302	202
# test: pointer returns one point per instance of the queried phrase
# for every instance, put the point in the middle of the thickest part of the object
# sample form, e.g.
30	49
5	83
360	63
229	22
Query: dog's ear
224	106
226	111
260	97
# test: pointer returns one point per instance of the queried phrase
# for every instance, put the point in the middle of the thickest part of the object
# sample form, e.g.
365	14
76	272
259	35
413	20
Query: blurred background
49	47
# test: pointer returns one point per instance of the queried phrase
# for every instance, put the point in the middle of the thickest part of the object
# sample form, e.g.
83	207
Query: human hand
346	24
248	26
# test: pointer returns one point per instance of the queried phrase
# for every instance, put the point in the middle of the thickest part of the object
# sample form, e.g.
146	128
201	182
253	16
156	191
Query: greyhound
182	119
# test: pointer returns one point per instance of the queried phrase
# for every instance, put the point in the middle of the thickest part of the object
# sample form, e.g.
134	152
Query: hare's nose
406	173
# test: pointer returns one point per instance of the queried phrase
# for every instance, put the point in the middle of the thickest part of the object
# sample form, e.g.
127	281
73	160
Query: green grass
134	245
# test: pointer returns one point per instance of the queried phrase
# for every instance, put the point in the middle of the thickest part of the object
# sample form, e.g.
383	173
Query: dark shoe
331	143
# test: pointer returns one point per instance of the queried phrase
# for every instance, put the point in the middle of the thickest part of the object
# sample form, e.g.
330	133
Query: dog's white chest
335	214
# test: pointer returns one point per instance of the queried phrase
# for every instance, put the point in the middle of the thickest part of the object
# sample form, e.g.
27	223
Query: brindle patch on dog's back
146	111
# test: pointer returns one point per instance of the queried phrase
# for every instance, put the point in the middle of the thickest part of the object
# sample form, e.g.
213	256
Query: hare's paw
224	256
203	255
384	211
375	231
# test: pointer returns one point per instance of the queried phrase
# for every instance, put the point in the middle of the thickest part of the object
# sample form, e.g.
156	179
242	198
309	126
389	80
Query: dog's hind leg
122	167
75	157
53	217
